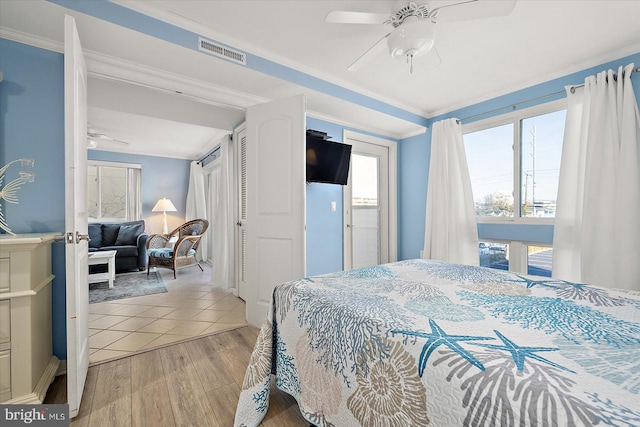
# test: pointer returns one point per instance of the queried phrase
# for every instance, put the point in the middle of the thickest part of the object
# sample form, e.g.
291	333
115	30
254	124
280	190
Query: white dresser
27	365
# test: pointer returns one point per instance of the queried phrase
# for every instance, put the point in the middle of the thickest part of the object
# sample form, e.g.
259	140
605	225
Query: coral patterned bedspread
419	342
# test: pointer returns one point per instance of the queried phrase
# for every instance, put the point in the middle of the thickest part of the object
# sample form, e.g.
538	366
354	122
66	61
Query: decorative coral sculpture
9	192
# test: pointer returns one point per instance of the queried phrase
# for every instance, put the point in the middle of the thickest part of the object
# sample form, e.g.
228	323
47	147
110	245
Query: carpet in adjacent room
127	285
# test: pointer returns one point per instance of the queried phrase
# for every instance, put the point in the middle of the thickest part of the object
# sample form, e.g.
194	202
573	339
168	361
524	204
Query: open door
275	201
75	117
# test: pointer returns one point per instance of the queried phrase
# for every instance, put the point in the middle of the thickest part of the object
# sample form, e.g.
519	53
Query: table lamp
164	205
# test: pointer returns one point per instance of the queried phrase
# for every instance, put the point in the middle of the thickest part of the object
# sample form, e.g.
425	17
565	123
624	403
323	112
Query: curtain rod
615	77
514	106
215	150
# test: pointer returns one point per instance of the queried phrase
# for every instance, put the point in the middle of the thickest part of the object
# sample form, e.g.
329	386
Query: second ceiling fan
93	137
414	25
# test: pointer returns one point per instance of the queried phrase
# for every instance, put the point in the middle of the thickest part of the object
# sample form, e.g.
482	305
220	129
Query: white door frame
351	137
76	268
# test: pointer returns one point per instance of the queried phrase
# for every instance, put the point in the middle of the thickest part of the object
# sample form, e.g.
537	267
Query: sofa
126	238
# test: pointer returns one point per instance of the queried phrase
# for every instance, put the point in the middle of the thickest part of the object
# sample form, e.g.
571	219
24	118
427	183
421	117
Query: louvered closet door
241	232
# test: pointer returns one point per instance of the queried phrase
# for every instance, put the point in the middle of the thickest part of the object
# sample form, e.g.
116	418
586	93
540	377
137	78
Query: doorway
369	201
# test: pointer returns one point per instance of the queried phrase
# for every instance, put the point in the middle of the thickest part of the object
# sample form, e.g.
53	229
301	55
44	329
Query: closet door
274	224
241	233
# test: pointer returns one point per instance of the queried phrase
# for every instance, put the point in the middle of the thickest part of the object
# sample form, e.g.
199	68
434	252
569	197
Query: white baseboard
62	368
40	390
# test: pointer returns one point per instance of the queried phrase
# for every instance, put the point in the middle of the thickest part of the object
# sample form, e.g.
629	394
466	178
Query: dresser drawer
5	375
5	274
5	321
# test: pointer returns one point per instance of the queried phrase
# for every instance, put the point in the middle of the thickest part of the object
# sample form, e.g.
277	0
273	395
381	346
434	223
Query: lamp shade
413	37
164	205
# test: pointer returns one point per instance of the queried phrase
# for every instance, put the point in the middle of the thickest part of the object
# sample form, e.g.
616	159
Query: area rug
127	285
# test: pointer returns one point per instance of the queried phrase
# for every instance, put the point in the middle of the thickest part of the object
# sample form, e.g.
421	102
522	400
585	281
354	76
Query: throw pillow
128	234
95	234
109	234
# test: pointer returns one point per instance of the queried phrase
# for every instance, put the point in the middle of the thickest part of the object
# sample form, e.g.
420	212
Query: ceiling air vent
216	49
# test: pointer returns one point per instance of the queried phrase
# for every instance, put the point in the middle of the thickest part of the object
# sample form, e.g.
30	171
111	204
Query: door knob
82	237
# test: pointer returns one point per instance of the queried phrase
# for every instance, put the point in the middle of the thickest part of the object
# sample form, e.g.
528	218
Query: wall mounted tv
327	161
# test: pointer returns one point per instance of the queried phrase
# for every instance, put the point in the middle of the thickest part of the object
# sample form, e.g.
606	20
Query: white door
241	232
368	198
75	112
275	197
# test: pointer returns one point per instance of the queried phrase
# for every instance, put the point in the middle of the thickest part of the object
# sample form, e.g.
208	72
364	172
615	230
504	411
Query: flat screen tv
327	161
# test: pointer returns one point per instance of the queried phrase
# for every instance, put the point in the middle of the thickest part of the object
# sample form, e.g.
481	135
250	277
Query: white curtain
134	199
597	230
222	258
451	232
196	204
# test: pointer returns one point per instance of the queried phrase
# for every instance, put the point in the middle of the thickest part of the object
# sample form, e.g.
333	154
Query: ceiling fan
414	25
93	137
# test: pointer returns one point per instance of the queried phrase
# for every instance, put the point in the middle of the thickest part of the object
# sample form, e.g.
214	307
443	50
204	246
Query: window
490	158
494	255
517	257
113	191
539	260
514	163
514	166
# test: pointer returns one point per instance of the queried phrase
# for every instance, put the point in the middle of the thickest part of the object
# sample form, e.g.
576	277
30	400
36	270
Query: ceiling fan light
414	37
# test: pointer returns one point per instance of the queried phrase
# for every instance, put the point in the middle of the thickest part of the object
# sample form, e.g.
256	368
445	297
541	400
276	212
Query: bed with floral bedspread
419	342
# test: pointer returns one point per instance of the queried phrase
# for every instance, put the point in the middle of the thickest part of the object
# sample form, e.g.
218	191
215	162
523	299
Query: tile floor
191	308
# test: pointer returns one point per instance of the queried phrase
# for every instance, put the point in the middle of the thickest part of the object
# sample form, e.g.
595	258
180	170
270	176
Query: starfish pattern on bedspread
438	337
519	353
531	283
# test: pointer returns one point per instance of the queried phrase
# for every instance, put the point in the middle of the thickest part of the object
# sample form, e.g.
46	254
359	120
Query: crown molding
108	67
31	40
112	68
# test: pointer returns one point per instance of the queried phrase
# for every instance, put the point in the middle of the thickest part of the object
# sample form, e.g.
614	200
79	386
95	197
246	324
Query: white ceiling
481	59
151	136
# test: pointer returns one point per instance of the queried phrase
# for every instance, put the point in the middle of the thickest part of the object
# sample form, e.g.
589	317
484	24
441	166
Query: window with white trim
113	191
514	163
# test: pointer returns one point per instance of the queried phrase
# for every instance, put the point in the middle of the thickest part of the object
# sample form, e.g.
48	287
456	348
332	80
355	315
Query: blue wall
161	177
32	126
324	228
414	161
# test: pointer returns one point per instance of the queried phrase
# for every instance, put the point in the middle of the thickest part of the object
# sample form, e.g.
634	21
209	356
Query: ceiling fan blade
95	136
466	10
371	53
118	141
345	17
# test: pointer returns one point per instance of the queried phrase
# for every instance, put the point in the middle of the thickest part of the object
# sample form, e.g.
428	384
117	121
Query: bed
421	342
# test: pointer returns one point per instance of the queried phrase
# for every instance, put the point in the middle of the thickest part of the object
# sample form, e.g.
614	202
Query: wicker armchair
183	253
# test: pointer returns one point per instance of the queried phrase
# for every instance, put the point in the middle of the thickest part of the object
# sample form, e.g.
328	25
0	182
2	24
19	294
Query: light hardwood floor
194	383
